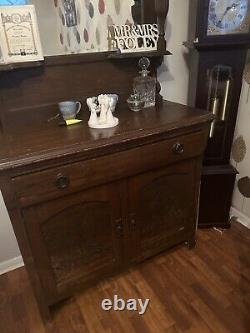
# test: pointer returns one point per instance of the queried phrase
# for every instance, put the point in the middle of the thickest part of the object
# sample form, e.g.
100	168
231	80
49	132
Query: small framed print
19	34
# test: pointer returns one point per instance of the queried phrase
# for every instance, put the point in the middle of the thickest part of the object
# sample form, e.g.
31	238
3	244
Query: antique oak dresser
85	203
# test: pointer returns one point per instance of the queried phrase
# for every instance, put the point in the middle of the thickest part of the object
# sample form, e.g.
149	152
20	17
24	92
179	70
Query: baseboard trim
10	265
242	218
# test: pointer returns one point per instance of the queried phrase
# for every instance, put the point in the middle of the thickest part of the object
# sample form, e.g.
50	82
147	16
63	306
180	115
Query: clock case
202	40
225	54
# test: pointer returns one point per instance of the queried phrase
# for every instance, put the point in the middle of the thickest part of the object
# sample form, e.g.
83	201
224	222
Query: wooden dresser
86	203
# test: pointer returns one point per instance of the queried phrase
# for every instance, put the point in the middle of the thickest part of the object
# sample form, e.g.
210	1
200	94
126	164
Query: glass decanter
145	85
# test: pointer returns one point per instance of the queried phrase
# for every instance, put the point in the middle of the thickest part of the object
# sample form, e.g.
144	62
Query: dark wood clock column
222	40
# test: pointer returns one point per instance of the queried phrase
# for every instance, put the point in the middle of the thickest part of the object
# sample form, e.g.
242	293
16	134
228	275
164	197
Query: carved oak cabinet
85	203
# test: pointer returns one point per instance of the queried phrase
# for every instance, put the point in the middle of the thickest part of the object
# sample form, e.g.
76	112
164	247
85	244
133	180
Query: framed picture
19	34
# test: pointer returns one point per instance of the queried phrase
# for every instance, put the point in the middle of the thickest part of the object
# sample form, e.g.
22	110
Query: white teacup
69	109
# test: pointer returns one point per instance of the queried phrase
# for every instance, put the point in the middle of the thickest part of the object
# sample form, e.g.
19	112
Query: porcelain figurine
93	108
115	99
105	106
104	102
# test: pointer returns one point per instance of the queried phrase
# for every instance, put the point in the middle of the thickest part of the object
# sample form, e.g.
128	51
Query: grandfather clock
222	39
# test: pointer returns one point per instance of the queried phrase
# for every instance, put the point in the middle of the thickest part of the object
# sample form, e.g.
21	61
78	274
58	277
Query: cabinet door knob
119	228
133	222
62	182
178	148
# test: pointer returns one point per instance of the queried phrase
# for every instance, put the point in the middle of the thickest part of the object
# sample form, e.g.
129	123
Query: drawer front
59	181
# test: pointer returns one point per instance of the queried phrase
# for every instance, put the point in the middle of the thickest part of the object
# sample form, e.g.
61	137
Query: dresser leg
191	242
45	314
50	327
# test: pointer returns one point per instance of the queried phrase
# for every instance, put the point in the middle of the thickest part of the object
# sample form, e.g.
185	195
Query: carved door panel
75	238
162	208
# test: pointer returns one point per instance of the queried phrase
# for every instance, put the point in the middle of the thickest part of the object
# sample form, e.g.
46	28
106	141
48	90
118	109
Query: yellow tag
72	122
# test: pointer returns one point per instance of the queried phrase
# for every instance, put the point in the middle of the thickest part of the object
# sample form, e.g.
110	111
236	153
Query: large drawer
51	183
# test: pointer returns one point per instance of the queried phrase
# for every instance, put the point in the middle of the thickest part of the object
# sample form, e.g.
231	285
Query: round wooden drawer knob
178	148
62	182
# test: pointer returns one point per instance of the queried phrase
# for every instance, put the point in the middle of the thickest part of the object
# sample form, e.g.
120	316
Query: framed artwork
19	34
12	2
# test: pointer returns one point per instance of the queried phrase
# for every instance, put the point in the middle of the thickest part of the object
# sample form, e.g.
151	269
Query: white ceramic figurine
93	108
105	105
104	101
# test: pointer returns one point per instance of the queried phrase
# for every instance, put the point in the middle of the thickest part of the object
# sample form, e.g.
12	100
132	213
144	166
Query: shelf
119	55
77	58
99	56
222	45
193	45
20	65
81	58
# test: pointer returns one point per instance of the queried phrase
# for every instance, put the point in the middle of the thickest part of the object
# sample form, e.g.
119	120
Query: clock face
228	17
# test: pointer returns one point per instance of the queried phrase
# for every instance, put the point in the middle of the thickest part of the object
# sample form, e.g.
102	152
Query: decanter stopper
144	64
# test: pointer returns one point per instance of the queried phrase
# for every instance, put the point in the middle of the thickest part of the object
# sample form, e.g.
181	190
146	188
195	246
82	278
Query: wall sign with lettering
133	38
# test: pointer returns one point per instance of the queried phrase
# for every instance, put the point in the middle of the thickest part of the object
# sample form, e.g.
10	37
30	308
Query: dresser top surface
32	139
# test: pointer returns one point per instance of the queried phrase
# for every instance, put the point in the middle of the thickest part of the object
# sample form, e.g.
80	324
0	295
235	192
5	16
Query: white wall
46	16
174	77
241	157
174	73
9	251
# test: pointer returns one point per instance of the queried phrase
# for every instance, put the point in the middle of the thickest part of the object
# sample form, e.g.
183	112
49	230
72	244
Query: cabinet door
75	238
162	209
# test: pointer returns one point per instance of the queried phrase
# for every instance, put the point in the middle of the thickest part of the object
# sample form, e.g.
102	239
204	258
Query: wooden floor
202	290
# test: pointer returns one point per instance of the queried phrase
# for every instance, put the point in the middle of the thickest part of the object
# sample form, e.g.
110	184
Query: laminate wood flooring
205	290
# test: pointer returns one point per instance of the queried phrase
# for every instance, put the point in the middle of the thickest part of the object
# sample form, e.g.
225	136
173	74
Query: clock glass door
220	83
219	87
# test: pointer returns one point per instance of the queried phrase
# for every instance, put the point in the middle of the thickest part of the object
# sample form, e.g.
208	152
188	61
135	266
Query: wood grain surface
66	189
201	291
28	138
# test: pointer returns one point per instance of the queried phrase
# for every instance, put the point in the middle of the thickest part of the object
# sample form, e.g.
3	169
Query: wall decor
240	157
239	149
19	34
90	34
70	13
247	73
247	78
131	38
244	186
69	27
